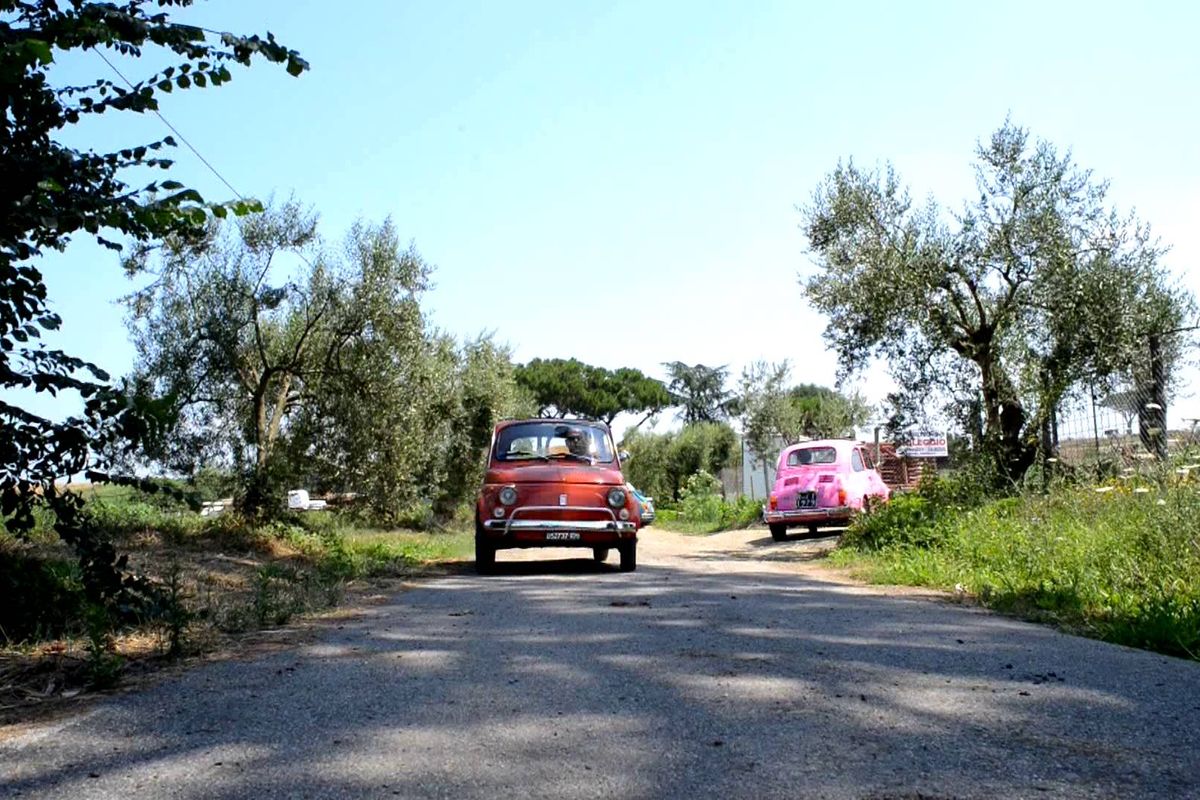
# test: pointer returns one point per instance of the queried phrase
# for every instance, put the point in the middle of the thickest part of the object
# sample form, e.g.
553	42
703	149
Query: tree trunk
268	419
1004	424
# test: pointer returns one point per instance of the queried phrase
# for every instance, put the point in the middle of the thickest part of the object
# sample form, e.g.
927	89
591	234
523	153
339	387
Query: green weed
1123	565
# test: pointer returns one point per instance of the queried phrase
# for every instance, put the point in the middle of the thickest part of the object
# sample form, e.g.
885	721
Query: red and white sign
925	444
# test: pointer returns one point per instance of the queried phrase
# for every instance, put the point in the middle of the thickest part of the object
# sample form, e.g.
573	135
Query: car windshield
554	440
812	455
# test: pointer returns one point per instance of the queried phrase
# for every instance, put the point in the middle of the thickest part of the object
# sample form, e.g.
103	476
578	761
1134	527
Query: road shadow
565	678
569	565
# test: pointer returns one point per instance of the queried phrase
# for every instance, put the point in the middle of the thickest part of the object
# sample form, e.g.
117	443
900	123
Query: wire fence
1146	415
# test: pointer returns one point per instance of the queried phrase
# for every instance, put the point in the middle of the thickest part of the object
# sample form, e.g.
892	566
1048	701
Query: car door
875	483
857	485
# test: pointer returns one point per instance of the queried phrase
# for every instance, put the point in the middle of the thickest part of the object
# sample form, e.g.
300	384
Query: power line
190	146
174	130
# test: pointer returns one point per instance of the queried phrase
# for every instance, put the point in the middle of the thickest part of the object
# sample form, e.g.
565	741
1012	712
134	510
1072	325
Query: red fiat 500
555	483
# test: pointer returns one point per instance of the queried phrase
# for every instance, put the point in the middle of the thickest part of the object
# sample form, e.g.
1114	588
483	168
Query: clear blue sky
651	154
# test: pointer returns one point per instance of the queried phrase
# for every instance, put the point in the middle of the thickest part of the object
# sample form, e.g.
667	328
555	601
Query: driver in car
579	443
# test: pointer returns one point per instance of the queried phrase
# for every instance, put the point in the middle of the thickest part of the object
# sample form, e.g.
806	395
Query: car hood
539	472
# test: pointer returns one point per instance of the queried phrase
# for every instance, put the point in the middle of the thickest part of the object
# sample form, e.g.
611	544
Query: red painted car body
823	482
555	483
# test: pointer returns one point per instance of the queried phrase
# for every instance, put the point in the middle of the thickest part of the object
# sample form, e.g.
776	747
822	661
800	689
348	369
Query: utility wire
184	139
174	130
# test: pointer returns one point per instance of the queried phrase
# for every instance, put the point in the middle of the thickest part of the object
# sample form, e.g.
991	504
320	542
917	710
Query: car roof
839	444
538	420
842	446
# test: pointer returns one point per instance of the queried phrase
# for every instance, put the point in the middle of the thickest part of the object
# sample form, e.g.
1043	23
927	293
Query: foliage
772	412
1122	564
571	388
908	520
304	560
484	392
51	192
661	463
236	350
700	392
325	377
1033	287
700	498
703	510
42	596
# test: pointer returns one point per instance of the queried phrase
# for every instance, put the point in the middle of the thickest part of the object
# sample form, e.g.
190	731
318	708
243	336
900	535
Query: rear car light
508	495
841	497
774	502
616	497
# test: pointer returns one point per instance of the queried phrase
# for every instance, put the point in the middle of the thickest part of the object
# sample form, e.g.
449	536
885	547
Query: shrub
908	520
741	513
699	500
662	463
42	598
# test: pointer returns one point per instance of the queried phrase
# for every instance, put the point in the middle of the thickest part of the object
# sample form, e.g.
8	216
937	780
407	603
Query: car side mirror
624	455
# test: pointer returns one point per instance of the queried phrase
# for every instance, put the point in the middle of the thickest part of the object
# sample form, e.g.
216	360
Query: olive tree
239	343
999	307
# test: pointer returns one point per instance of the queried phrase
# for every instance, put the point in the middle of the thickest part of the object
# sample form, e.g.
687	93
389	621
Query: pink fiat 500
822	482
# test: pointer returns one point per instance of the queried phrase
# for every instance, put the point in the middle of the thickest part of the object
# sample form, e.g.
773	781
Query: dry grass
229	580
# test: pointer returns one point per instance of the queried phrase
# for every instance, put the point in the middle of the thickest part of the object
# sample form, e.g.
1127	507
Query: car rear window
535	441
812	455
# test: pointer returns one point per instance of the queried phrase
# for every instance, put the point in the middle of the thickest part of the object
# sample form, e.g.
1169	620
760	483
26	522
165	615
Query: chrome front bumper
809	514
510	523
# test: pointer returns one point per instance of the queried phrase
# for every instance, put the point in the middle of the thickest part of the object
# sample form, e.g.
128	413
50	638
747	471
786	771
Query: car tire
779	532
599	554
485	552
628	553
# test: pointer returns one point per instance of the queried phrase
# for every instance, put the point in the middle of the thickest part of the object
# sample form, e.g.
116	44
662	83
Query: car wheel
778	532
599	554
485	558
628	553
485	554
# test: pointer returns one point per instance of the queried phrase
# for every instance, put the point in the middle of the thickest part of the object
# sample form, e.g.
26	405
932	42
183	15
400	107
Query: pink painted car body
822	482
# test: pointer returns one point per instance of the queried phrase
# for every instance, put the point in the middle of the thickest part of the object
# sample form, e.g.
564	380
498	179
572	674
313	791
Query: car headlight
616	497
508	495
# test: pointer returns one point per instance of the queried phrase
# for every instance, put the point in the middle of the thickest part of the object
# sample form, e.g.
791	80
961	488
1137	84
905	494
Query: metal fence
1145	415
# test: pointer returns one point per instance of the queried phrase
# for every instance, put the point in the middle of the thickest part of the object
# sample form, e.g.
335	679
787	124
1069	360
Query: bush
741	513
662	463
701	507
908	520
42	598
699	500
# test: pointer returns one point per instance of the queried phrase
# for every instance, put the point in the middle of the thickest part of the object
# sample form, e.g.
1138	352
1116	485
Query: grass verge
218	576
1120	565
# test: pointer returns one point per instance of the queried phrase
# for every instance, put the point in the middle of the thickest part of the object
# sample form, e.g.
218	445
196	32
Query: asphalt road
724	667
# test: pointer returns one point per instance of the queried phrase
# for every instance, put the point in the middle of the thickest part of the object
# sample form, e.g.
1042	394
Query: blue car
645	504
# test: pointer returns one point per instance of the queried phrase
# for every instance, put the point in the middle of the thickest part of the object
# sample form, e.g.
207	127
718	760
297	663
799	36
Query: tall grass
1120	564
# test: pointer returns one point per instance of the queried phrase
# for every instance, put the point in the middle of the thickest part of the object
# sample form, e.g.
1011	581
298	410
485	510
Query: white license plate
562	536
